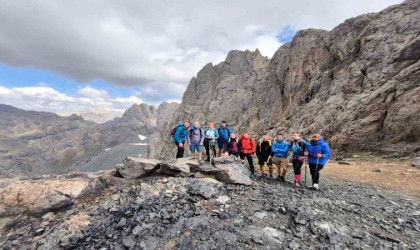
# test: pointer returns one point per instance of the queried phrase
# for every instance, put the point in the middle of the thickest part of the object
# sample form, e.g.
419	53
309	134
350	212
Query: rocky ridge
163	212
357	85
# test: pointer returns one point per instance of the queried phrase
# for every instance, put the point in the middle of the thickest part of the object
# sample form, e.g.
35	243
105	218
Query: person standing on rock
181	133
264	155
246	149
318	153
210	137
195	139
232	146
224	134
298	147
280	149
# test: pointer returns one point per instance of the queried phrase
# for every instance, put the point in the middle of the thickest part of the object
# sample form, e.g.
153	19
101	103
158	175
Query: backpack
173	131
201	131
300	147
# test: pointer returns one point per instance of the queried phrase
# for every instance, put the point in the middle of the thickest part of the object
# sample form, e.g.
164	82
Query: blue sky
24	77
116	54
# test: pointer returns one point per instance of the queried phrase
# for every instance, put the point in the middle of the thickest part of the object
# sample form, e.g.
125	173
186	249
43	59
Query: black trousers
297	165
250	162
315	172
180	152
207	145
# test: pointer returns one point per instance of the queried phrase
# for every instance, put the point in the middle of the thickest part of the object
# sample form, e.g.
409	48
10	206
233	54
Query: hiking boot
207	159
271	177
252	176
316	186
281	178
298	184
264	175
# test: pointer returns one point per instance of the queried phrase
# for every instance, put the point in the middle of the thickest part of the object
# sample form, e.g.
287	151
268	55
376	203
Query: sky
75	56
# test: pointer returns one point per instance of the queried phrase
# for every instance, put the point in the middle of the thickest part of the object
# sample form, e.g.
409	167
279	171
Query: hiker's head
223	124
233	135
196	124
187	124
245	134
211	124
266	137
279	136
295	135
316	137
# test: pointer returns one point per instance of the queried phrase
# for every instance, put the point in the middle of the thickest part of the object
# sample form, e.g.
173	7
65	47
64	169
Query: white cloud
90	92
48	99
154	43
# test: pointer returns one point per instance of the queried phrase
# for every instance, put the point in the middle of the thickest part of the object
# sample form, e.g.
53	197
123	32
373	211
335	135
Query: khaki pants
282	165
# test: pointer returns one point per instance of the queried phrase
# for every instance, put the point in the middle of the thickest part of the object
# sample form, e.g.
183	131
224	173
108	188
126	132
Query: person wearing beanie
318	153
298	146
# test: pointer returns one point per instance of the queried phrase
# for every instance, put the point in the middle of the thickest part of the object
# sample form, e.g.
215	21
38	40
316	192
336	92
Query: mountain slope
357	85
36	143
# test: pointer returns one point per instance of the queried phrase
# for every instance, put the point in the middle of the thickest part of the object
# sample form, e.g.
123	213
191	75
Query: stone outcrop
231	171
179	167
134	168
357	85
43	195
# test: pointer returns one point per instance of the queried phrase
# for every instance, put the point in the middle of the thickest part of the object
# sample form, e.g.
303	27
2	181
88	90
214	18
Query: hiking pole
306	167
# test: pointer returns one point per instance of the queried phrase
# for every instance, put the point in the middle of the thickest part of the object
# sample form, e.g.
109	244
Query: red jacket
246	145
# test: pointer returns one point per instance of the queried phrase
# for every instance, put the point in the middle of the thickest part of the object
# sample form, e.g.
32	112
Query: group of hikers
278	152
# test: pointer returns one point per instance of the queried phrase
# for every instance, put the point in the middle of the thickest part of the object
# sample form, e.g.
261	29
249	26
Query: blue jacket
298	148
224	133
180	134
206	134
318	146
280	148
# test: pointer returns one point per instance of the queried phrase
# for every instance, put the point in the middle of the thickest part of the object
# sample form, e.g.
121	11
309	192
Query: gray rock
129	241
415	162
133	168
377	170
231	171
179	167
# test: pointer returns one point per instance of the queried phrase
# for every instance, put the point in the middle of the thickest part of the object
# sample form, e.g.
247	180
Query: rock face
134	168
357	85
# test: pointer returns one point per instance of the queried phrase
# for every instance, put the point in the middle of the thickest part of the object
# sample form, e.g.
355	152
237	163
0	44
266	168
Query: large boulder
43	195
231	171
180	167
134	168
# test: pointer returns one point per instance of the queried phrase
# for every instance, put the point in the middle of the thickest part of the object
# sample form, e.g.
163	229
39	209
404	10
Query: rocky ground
162	212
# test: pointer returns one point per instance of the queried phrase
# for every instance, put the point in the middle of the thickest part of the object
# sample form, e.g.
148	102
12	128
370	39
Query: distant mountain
36	143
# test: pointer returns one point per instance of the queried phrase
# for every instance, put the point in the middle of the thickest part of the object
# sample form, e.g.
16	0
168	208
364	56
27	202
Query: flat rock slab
40	196
134	168
180	167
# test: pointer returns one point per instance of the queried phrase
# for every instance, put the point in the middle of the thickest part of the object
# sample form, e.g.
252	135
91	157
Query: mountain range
36	143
